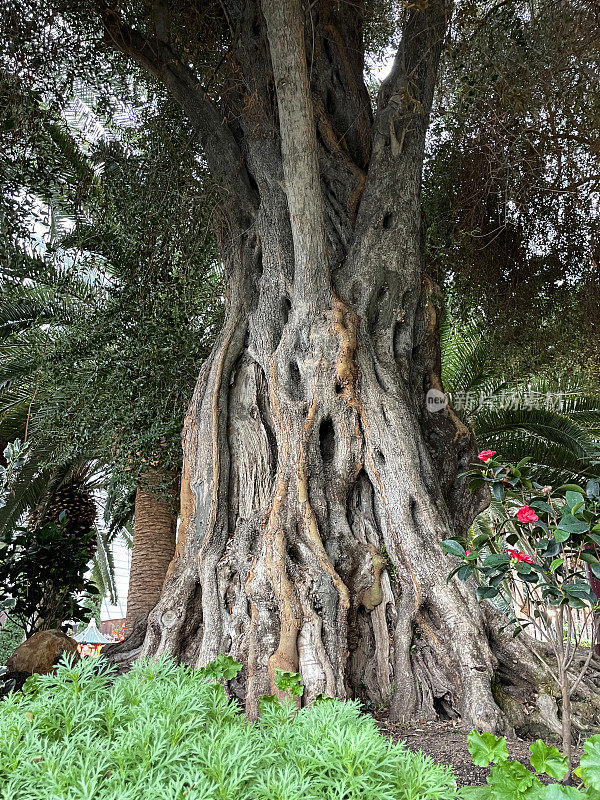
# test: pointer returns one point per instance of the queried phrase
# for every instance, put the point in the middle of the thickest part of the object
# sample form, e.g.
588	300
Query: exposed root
123	654
322	554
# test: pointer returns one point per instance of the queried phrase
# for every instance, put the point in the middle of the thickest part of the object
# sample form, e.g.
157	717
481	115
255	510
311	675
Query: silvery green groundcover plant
167	732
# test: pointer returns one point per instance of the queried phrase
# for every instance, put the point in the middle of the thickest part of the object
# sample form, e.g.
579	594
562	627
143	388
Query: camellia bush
165	731
539	557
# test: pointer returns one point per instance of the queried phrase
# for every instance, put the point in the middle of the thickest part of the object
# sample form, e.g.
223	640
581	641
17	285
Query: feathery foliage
166	731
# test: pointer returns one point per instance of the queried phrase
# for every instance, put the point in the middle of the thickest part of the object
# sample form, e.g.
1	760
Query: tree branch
407	92
389	212
223	156
285	30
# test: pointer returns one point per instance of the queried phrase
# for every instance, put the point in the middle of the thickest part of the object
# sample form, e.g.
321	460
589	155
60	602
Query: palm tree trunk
155	522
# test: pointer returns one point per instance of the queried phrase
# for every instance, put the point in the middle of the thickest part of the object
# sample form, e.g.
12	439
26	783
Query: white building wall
122	558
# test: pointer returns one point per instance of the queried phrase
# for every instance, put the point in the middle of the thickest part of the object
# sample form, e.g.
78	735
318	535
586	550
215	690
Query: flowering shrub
546	540
167	731
542	549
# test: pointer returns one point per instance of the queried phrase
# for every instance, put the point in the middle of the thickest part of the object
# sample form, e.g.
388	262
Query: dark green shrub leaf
486	592
573	525
595	570
496	560
569	487
454	548
498	491
541	505
592	489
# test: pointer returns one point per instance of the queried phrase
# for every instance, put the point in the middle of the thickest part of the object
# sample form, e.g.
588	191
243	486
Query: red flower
468	552
526	514
519	556
486	455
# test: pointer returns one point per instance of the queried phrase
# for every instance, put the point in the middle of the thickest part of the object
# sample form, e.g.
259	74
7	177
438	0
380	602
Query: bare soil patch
446	743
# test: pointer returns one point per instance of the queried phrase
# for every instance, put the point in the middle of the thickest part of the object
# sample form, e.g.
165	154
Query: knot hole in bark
286	307
327	441
295	382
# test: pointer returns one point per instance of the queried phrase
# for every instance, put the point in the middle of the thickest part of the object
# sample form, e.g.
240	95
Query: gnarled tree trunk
317	486
154	526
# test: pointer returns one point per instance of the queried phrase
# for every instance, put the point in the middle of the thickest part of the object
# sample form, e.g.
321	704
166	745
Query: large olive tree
317	483
317	486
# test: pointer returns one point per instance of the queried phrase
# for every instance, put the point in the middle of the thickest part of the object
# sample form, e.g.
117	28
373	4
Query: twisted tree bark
317	485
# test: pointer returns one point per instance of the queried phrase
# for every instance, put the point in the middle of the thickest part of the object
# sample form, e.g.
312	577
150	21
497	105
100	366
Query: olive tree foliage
512	183
111	291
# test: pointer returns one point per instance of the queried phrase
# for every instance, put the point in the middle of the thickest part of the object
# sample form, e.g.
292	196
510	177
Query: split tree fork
316	486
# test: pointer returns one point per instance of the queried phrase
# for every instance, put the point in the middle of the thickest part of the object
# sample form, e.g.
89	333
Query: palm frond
560	448
103	567
553	421
118	509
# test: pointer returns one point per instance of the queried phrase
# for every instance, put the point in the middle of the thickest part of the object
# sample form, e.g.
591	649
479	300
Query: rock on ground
41	652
